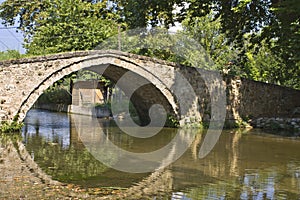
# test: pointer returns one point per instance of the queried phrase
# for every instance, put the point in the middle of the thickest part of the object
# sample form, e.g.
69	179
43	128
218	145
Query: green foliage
206	30
172	121
103	105
61	25
7	139
10	54
239	124
159	43
74	25
139	13
204	125
72	164
253	61
10	127
163	54
55	95
263	65
87	75
233	30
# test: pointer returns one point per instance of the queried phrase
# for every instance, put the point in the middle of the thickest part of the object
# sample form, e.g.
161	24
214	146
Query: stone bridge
148	81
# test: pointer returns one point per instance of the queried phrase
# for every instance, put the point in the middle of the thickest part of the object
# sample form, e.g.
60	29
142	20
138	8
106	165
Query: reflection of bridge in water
235	160
234	156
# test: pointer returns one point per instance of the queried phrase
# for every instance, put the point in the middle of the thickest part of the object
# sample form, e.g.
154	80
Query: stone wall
278	123
245	99
257	99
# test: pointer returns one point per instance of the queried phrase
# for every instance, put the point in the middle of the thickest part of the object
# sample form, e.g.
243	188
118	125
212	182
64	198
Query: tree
273	24
53	26
247	25
263	65
285	29
141	13
206	30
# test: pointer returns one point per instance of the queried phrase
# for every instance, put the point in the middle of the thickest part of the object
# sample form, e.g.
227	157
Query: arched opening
142	97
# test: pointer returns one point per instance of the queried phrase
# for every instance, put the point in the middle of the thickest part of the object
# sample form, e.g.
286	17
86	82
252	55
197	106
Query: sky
10	39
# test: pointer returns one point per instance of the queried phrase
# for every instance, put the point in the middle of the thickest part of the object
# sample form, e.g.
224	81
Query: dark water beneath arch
242	165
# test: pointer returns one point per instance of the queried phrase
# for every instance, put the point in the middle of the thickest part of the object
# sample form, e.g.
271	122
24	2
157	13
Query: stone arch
115	65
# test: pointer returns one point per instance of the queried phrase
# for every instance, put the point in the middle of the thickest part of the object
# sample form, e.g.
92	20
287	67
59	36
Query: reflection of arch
33	165
113	65
94	138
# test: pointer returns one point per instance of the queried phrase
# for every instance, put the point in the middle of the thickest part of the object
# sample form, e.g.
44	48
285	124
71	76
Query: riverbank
290	125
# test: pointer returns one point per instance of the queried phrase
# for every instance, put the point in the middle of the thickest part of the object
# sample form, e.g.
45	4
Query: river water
242	164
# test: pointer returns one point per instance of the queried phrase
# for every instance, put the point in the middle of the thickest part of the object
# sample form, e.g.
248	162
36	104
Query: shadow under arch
113	64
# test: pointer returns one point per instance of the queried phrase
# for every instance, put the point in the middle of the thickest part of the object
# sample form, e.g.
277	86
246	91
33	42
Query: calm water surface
242	165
